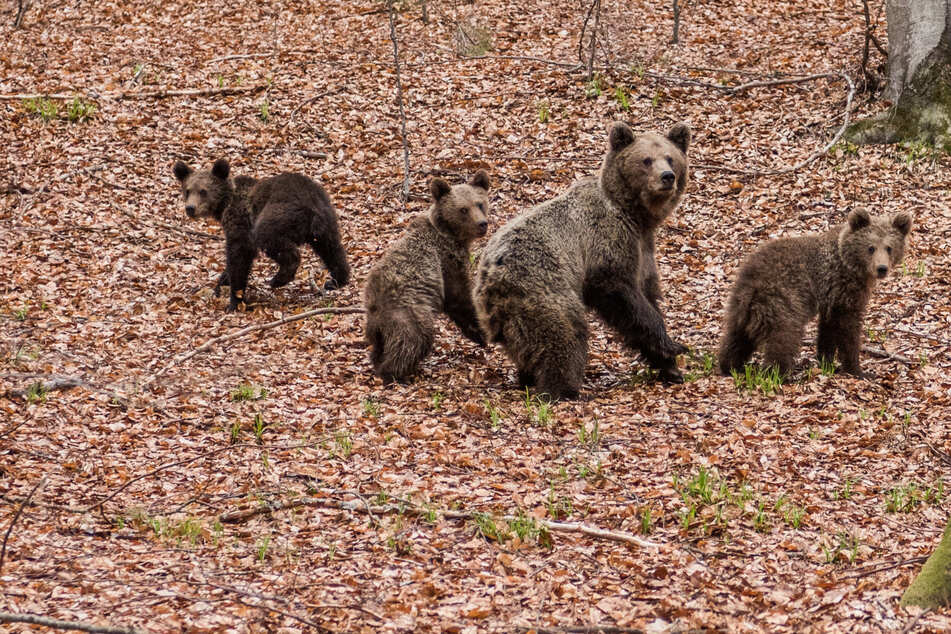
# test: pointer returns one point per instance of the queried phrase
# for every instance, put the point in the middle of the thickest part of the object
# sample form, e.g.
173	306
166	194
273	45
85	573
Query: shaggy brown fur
273	215
592	246
787	282
423	274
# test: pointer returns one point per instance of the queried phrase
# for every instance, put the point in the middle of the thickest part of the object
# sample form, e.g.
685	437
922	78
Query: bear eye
203	193
871	249
648	161
670	160
888	250
481	207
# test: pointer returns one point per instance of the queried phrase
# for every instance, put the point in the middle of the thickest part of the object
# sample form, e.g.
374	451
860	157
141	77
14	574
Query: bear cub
592	247
423	274
787	282
273	215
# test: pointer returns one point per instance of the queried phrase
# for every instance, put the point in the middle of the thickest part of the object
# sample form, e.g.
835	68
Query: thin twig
923	335
594	9
37	619
22	7
141	94
914	622
881	353
582	629
235	517
399	99
871	571
345	310
16	516
224	58
54	383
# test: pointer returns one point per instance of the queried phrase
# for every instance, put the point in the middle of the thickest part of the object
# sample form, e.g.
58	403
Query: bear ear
679	135
221	169
481	180
182	171
439	188
902	222
859	218
620	136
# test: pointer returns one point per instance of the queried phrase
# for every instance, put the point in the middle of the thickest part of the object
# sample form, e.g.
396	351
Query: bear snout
881	271
482	227
190	211
667	179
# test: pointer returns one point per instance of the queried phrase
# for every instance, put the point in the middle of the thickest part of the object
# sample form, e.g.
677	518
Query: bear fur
787	282
273	215
423	274
593	246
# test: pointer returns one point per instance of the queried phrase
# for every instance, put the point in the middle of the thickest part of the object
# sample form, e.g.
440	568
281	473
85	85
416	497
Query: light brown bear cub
273	215
787	282
423	274
593	246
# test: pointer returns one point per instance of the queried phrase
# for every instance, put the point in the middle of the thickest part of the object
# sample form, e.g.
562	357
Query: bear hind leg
550	350
782	347
328	248
287	257
399	342
735	350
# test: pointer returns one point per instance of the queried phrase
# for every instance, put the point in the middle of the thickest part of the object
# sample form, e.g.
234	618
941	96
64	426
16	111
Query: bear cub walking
593	246
273	215
787	282
423	274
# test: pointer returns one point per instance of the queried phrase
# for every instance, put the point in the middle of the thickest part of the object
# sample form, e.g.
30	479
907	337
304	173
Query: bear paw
331	285
670	376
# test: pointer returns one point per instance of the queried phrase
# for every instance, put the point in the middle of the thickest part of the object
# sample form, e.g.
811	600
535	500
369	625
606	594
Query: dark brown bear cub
423	274
593	246
787	282
273	215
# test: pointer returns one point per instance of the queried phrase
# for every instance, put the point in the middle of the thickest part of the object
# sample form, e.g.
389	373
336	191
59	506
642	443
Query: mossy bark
932	587
922	113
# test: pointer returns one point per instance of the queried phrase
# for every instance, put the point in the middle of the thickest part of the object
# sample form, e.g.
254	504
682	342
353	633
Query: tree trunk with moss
932	587
919	77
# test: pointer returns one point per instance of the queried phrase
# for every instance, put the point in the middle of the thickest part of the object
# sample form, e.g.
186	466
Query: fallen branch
16	516
142	94
36	619
871	571
399	99
582	629
881	353
347	310
53	384
923	335
236	517
224	58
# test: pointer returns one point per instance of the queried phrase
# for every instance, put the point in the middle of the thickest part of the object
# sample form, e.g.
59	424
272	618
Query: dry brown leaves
105	280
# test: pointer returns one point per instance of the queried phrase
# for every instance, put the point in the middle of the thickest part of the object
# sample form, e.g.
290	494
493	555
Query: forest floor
807	509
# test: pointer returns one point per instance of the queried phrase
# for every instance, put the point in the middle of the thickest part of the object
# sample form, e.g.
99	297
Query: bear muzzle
881	271
482	228
190	211
667	180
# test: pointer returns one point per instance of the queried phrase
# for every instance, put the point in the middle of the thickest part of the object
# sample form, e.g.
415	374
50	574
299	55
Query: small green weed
264	112
656	99
794	515
538	409
437	400
845	493
595	87
544	112
590	438
767	381
20	314
36	393
699	366
647	526
343	445
248	392
258	427
371	407
487	527
262	547
620	96
826	366
906	498
45	109
559	506
495	417
234	434
527	529
79	110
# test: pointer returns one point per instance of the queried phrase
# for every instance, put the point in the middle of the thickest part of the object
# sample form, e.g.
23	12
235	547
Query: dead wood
16	516
37	619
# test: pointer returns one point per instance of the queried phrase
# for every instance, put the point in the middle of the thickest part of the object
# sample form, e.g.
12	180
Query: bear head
871	247
645	175
461	210
207	193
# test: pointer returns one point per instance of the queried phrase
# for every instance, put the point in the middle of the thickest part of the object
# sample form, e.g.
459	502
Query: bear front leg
223	280
826	339
287	257
458	303
639	323
240	256
847	331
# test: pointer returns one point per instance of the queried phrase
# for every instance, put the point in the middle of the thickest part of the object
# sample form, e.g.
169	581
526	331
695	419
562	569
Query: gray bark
914	30
919	78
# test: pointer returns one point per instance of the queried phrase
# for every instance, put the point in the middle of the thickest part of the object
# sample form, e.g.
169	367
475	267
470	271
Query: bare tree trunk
932	587
919	77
